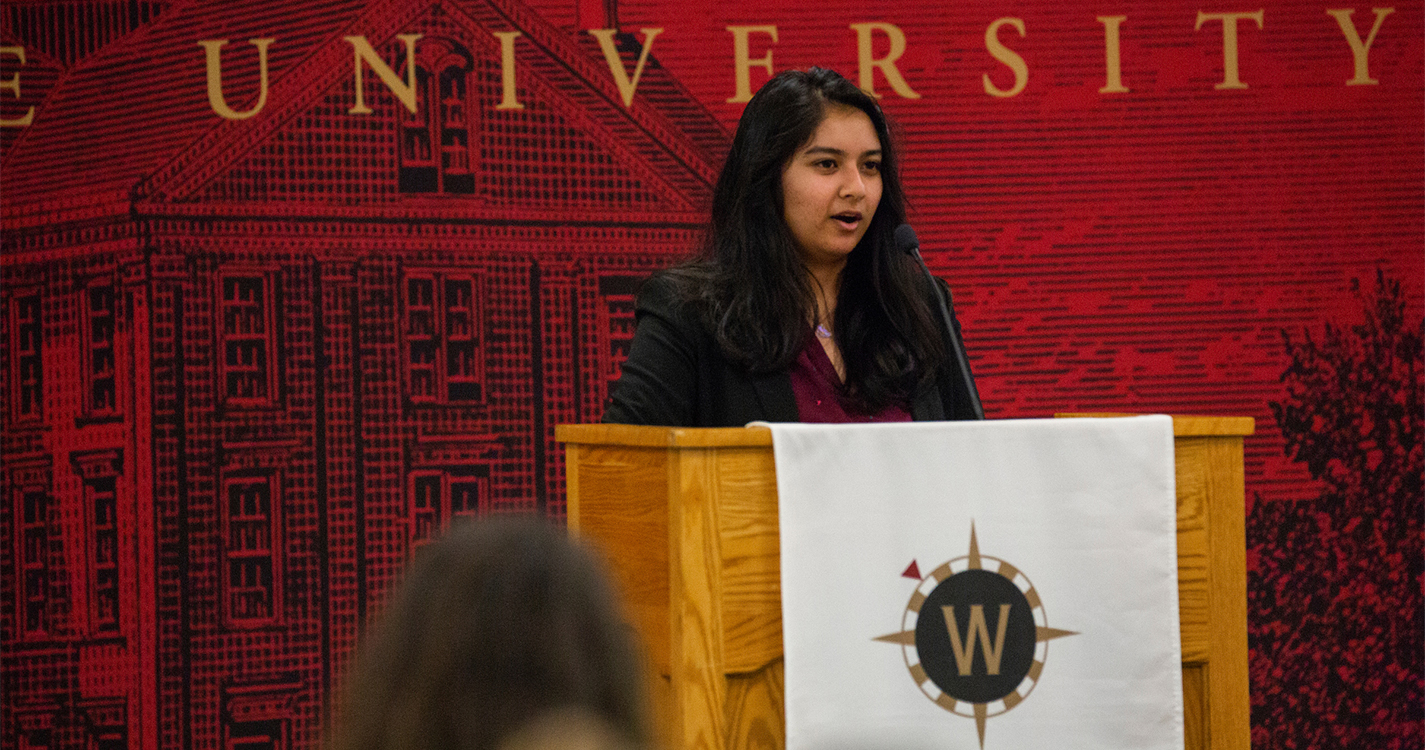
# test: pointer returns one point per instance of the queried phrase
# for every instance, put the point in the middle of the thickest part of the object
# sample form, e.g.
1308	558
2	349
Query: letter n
405	92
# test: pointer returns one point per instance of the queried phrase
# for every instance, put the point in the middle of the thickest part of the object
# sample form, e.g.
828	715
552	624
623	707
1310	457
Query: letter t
1230	77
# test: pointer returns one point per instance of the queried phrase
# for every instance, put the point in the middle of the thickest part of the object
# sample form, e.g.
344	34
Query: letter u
213	48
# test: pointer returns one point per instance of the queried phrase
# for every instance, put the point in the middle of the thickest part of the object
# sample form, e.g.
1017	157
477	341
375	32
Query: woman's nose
852	185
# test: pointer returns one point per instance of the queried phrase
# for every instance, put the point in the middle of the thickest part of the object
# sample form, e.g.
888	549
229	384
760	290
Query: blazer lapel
927	405
774	395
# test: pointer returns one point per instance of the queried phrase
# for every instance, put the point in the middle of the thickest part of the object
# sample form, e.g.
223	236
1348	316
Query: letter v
626	87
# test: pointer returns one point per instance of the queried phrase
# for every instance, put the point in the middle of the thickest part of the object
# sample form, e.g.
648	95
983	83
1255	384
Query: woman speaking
801	307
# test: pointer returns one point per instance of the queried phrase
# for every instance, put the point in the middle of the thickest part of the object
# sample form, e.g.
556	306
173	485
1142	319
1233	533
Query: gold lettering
965	649
14	85
508	99
742	63
213	49
1360	52
887	64
405	92
1113	66
1009	57
1230	77
625	86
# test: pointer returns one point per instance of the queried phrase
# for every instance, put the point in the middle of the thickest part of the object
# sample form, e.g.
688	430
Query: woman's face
832	185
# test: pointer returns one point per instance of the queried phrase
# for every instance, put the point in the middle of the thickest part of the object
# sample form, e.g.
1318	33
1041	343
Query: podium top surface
759	436
664	437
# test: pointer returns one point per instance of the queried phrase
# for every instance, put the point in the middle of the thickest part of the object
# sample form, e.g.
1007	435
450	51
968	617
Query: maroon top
819	395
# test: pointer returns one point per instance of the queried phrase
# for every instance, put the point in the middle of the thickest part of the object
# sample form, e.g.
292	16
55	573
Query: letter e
14	85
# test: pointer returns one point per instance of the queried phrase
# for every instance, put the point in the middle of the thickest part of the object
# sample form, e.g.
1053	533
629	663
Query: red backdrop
263	336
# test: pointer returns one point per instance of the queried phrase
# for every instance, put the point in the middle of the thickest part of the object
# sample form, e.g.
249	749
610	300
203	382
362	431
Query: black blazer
676	376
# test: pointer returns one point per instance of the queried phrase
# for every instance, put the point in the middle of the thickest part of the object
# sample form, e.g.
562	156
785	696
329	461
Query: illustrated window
250	572
617	317
100	392
102	502
440	497
435	140
107	724
258	716
99	469
443	337
34	531
28	370
248	340
263	734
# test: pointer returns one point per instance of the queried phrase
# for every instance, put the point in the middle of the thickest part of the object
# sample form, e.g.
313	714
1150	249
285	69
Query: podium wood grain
688	521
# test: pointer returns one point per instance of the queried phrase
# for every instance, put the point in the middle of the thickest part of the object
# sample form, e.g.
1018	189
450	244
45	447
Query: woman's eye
827	164
872	166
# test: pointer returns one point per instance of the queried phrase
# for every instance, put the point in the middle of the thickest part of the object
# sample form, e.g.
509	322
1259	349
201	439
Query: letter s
1009	57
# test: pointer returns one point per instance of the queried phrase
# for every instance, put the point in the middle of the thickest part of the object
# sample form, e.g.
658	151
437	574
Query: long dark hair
749	284
497	625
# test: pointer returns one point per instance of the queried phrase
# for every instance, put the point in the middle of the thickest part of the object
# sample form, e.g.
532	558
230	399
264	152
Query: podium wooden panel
688	520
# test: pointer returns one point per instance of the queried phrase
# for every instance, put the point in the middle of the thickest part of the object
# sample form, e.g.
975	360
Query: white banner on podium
1003	585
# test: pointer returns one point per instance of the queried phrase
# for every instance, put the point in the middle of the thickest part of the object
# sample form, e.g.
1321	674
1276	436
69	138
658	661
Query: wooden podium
688	520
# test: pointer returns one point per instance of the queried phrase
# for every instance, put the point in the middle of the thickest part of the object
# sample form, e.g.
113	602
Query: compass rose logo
974	635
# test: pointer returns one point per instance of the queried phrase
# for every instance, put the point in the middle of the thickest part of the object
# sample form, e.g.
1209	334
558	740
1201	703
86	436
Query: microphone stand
905	236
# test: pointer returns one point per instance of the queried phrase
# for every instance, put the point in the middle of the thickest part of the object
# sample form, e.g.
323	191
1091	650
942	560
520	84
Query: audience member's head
504	635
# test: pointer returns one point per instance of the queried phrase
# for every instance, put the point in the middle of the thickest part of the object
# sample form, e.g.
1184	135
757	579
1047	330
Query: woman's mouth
848	219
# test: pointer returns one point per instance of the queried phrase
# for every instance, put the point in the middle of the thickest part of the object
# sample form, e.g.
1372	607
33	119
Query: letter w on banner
1008	584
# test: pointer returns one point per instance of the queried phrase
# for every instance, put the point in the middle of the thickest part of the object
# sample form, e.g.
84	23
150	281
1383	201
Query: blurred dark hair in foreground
505	634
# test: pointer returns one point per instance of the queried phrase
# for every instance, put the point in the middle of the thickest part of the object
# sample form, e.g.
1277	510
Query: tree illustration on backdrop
1336	589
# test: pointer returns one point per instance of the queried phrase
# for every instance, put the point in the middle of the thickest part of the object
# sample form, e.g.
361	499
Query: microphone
907	243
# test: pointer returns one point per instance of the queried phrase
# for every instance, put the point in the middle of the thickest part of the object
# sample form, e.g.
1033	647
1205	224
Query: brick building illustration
250	364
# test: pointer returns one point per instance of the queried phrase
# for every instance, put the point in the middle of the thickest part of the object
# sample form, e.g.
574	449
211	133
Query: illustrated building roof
132	122
67	31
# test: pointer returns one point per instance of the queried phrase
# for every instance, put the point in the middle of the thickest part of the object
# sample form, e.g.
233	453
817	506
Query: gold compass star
964	648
